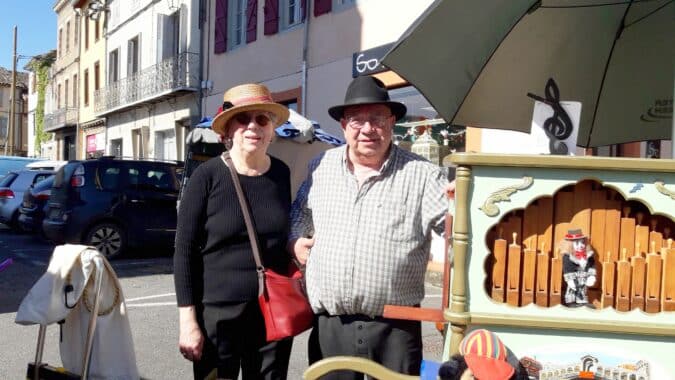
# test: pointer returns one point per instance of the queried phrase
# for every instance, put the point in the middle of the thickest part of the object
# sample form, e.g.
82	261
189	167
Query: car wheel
14	223
108	238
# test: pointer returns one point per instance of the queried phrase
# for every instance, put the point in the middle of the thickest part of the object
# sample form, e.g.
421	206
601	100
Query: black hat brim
397	109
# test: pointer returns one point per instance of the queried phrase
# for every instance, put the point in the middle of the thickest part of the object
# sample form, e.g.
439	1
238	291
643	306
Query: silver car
12	187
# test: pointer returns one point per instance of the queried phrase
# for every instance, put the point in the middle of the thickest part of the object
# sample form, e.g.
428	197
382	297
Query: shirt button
360	341
360	327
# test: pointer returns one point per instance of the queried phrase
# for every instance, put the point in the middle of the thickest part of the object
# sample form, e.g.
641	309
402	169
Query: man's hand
191	339
590	281
300	248
450	190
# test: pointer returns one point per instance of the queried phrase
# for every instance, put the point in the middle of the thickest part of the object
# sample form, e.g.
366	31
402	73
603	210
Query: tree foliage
40	66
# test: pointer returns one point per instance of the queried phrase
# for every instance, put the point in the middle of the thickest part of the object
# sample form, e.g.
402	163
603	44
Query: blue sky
36	22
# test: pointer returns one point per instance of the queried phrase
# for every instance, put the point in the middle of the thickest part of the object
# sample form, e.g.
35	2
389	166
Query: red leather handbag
284	305
281	296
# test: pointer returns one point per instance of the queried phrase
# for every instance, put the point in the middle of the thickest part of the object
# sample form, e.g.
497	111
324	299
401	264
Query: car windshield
8	179
45	184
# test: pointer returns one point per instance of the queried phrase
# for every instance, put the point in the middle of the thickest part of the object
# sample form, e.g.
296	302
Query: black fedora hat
367	90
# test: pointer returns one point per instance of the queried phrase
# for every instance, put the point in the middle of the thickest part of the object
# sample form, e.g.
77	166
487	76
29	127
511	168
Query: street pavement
148	289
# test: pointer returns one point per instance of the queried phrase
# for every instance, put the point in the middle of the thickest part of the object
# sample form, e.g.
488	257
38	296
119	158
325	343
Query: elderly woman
221	325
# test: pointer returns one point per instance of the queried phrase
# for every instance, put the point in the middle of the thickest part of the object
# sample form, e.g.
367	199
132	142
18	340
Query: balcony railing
172	74
60	118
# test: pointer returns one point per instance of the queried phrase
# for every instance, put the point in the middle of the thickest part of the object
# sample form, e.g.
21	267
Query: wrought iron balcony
176	74
60	118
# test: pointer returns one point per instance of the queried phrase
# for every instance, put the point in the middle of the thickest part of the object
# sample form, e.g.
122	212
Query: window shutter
303	9
322	6
220	27
251	20
271	17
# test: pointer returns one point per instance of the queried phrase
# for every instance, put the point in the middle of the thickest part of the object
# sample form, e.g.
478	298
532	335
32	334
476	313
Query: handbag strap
245	209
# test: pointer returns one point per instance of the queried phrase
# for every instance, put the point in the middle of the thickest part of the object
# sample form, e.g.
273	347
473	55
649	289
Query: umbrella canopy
477	61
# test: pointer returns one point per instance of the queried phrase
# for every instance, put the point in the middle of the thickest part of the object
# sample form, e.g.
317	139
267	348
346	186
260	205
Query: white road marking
152	304
148	297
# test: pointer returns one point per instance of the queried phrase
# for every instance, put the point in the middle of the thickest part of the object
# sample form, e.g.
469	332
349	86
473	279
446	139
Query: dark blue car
32	209
114	203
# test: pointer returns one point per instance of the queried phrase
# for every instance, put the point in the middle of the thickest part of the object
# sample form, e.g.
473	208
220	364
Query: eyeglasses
357	122
244	118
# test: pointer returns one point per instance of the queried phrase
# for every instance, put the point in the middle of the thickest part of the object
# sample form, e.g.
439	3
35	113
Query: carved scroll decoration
489	207
661	187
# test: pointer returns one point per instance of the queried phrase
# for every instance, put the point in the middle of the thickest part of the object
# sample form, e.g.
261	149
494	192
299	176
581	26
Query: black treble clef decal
558	127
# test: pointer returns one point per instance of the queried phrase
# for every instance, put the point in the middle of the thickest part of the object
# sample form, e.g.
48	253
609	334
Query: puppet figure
578	267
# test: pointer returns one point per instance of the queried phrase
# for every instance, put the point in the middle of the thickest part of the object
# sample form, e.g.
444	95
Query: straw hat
248	97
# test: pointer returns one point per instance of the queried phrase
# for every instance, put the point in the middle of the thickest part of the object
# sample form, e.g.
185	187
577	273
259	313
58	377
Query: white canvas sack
113	355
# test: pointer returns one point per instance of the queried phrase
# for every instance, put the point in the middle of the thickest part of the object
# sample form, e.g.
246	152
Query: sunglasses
244	118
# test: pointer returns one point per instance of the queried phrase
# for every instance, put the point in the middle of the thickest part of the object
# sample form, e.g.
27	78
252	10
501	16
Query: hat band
573	236
251	99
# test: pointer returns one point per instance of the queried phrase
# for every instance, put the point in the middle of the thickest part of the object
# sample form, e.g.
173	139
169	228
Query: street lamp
94	9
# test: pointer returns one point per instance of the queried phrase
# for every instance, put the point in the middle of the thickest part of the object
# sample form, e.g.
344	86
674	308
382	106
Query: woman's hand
300	249
191	339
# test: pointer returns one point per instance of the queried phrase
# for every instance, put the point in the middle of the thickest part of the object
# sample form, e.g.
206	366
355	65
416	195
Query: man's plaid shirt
371	243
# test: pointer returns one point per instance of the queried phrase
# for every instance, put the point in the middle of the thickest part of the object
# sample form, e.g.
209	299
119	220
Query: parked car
12	187
113	203
32	209
14	163
45	165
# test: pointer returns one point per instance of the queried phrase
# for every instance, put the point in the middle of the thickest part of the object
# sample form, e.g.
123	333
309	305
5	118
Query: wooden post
555	288
530	227
653	291
581	212
499	270
541	294
513	273
668	284
608	277
529	274
612	229
460	241
627	239
655	237
545	223
641	236
598	214
623	273
637	296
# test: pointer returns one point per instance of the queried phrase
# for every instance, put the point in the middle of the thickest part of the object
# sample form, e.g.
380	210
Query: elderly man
366	212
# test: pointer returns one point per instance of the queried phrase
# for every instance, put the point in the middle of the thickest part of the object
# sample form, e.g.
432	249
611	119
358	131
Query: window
116	147
165	144
97	76
236	23
291	13
67	36
76	29
108	178
168	39
339	5
59	48
97	30
86	33
65	94
75	94
58	96
2	94
133	55
113	66
86	87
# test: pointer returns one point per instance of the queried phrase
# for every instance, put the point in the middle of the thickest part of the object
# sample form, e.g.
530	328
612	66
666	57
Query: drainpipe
305	47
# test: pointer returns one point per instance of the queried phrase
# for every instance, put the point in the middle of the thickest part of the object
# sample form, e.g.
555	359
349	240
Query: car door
153	192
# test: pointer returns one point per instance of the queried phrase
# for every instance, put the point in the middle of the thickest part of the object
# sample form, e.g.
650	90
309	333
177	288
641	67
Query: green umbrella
477	61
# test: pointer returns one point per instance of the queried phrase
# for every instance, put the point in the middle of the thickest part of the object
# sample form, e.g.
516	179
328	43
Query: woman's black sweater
213	261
